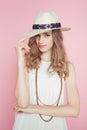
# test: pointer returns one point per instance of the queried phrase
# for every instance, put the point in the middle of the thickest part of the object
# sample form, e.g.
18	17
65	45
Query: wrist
34	109
21	63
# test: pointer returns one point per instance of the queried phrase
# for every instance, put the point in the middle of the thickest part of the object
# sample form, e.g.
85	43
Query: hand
22	49
29	109
22	46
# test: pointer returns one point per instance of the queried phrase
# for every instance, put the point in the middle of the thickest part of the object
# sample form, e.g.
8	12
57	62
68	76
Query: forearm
21	91
57	111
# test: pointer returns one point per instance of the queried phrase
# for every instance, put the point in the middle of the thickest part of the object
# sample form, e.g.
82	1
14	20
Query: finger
16	109
20	45
22	42
26	47
14	105
23	39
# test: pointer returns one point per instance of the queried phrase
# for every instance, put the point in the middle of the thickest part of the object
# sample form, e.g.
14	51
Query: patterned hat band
46	26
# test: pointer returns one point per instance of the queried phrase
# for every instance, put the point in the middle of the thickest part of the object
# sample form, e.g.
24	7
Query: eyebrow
47	32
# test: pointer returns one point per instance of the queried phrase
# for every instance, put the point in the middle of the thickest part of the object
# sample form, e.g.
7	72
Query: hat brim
33	33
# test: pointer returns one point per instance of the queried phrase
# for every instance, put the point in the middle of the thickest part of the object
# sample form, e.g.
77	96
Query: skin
70	109
45	42
21	93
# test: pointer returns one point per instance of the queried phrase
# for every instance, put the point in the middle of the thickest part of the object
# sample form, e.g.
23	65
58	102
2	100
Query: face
44	41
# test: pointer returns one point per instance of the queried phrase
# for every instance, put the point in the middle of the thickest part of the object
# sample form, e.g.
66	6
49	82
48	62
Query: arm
71	109
72	106
21	90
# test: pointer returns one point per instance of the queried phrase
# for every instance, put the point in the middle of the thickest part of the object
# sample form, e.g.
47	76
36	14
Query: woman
43	71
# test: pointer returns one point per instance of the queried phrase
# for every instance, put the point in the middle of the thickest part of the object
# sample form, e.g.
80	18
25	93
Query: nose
41	40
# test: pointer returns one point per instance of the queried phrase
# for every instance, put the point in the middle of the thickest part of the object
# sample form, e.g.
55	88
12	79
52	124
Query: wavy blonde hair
59	61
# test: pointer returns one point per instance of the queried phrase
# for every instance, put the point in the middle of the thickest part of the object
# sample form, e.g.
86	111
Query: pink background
16	18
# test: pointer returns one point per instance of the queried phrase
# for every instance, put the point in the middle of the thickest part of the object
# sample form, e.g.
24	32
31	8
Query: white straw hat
45	21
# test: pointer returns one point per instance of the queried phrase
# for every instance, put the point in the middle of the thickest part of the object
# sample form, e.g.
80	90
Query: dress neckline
44	61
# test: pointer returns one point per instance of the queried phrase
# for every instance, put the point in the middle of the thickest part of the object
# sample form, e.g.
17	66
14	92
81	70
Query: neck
46	56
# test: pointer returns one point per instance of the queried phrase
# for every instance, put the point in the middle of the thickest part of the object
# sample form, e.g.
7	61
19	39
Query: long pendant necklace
37	99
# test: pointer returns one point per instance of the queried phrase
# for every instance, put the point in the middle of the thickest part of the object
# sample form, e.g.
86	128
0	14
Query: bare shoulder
71	79
71	65
71	68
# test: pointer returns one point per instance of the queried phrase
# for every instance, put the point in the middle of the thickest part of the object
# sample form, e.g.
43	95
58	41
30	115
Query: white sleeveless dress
48	91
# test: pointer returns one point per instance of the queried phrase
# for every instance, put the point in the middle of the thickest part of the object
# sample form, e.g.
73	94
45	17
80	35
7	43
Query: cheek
50	43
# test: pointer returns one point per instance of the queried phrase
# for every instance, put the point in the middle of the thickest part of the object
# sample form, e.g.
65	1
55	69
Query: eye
47	34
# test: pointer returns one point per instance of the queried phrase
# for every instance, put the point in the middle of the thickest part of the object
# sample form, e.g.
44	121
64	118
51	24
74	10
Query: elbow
76	113
74	110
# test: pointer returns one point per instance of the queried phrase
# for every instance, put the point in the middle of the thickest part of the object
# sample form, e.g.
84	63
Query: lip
42	46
